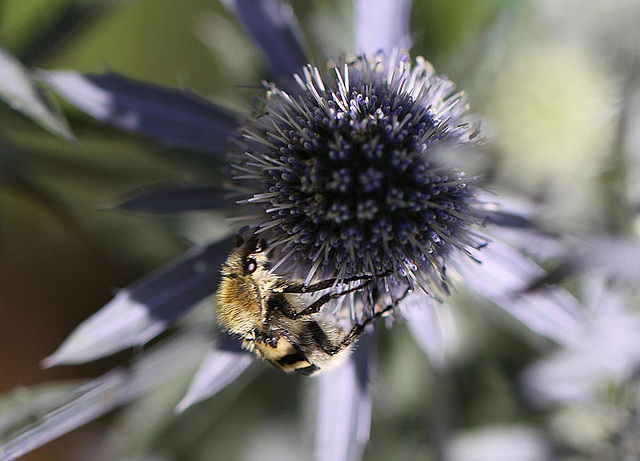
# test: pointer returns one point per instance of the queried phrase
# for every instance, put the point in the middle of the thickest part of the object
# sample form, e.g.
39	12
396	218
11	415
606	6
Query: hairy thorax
241	302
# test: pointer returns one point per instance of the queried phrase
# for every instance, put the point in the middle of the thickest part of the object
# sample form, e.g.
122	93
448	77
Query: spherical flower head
344	175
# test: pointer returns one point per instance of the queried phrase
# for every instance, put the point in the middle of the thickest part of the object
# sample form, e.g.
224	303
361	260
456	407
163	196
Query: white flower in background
552	112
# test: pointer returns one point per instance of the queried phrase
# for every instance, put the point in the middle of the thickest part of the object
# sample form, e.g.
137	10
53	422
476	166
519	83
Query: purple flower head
343	176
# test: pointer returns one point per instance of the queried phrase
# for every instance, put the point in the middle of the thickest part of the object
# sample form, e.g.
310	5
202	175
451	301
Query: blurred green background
550	79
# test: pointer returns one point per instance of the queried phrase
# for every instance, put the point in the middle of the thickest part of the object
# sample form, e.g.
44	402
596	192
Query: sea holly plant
343	169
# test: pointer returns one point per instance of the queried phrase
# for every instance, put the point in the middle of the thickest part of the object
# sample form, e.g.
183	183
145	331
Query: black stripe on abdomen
291	359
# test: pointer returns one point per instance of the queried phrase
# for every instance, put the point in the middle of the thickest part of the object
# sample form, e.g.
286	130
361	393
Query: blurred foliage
63	250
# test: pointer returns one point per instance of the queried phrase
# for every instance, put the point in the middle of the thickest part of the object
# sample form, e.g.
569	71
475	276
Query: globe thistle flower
345	172
342	172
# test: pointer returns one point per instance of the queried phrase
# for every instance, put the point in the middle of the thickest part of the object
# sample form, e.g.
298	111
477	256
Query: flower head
344	176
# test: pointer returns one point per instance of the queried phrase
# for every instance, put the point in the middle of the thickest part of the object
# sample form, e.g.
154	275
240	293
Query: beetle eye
250	266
